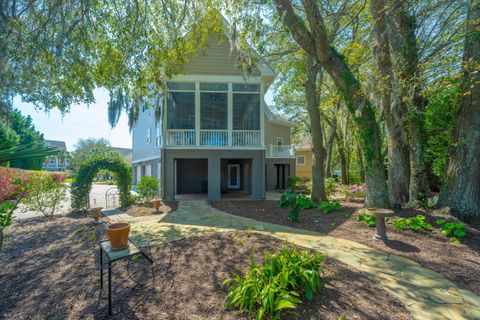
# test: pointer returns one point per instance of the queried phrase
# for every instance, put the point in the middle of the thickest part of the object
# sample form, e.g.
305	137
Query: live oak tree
462	190
313	38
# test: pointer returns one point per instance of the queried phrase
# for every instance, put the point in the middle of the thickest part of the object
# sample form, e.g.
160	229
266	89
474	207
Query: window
279	141
52	161
157	136
213	106
181	105
149	135
301	160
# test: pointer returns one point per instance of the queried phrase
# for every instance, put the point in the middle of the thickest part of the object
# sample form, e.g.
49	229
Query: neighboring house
303	157
57	162
216	134
125	153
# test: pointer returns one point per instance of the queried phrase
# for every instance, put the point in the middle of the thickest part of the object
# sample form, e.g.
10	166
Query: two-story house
216	134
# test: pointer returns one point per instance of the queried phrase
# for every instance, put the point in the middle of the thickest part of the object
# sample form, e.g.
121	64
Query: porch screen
180	105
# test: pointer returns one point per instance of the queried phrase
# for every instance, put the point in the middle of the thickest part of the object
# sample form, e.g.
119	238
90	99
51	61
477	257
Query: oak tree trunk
360	162
316	43
330	140
318	149
397	147
462	192
343	158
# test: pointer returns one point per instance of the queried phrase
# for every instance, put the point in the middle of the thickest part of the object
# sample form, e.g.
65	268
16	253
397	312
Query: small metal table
112	256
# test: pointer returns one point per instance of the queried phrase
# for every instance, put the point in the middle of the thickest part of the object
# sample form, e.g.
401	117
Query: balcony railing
283	151
181	137
246	138
213	138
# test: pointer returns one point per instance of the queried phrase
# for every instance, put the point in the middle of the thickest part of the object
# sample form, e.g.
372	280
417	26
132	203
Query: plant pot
156	204
118	235
96	213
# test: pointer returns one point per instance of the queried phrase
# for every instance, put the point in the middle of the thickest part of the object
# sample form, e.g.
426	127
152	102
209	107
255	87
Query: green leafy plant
300	184
147	188
278	284
455	229
369	220
330	187
326	207
295	202
416	223
82	183
45	193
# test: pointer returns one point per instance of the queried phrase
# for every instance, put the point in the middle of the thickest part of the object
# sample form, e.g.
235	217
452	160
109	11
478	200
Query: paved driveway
97	198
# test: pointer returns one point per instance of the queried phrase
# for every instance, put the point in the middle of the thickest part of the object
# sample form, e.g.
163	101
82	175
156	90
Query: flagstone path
426	294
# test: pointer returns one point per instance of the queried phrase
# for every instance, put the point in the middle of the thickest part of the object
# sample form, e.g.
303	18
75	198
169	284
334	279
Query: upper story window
149	135
214	106
246	106
279	141
180	105
157	136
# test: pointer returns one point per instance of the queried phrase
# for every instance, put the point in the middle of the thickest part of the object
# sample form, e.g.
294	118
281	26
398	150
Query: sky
84	122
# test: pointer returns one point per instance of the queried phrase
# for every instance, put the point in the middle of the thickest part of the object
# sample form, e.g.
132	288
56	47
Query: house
303	157
125	153
216	134
58	162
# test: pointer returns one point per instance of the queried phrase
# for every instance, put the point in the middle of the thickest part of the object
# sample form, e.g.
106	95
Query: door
234	176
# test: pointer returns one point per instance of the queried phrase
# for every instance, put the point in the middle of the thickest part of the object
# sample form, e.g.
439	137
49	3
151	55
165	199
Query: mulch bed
458	263
139	211
48	271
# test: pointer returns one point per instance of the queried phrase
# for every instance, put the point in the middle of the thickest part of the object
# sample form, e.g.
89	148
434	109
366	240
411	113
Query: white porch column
262	116
230	113
197	113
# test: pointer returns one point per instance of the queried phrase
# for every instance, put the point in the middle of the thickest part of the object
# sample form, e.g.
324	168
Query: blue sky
83	122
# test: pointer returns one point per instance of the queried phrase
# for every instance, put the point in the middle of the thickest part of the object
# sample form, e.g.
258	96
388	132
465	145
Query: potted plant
118	235
156	204
96	213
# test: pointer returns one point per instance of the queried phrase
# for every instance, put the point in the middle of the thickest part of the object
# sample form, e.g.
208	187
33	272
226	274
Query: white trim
146	159
197	113
215	78
262	116
237	185
296	160
230	113
213	148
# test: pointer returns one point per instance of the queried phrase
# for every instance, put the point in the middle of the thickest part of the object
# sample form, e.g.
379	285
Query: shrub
147	188
350	192
277	284
415	224
369	220
45	192
330	187
456	229
300	184
295	202
327	207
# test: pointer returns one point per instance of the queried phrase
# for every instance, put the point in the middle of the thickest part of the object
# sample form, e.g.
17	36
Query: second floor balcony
213	138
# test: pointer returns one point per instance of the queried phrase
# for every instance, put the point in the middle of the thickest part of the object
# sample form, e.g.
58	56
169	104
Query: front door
234	176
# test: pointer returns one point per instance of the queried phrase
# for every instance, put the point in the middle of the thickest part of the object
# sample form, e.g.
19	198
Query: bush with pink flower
353	192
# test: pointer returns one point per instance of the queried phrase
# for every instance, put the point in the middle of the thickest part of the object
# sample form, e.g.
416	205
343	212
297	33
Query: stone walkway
426	294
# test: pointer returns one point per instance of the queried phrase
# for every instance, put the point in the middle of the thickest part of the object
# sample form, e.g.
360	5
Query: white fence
283	151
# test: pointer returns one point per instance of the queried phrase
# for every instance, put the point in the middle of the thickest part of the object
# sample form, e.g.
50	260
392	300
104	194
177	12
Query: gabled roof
304	142
56	144
275	117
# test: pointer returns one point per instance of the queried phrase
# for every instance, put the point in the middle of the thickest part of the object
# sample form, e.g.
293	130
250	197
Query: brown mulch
458	263
49	271
139	211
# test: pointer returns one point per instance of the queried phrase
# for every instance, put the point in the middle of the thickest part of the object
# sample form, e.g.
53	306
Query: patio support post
214	174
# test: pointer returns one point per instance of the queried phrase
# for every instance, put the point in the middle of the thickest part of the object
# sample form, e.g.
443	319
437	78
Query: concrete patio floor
426	294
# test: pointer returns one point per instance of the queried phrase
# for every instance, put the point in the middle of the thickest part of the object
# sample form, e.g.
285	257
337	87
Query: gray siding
271	171
215	59
273	130
141	148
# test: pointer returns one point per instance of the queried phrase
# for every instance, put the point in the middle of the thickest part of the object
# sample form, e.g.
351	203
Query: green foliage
45	192
82	184
330	186
455	229
147	188
266	290
369	220
300	184
440	115
326	207
416	223
295	202
90	148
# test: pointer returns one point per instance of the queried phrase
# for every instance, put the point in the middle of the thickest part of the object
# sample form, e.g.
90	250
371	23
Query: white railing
181	137
214	138
246	138
283	151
